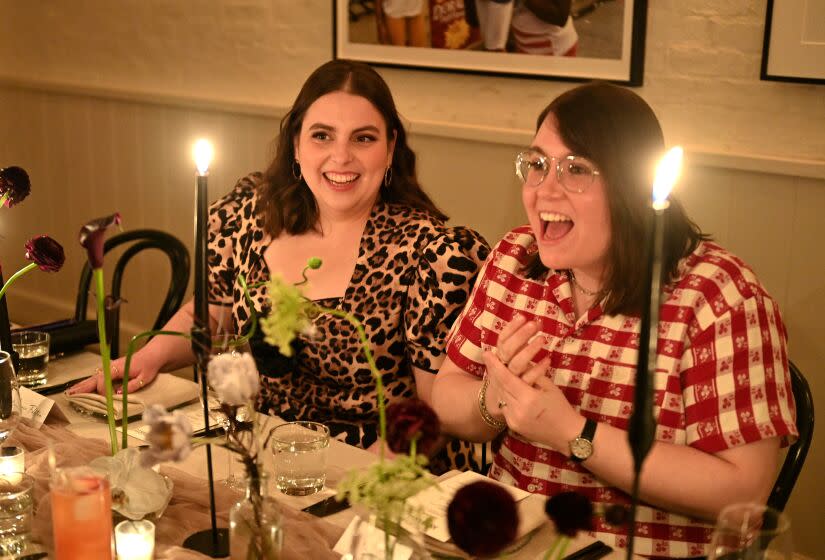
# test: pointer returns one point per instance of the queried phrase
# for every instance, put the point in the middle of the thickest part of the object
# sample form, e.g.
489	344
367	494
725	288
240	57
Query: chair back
141	239
798	451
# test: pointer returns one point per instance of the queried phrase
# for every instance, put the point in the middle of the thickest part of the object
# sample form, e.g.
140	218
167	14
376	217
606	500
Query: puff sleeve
448	266
224	225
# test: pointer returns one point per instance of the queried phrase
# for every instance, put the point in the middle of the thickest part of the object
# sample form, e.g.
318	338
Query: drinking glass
81	514
10	405
751	532
227	344
16	501
300	450
33	349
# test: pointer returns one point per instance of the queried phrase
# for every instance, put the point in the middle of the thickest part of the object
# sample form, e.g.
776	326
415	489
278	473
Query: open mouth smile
555	225
341	179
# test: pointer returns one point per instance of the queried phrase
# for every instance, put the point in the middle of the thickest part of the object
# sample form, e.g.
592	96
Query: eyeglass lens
574	173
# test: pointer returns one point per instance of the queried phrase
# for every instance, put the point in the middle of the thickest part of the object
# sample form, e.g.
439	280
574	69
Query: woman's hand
140	375
531	404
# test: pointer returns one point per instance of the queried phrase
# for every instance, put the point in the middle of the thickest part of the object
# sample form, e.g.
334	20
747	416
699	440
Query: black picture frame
785	55
627	69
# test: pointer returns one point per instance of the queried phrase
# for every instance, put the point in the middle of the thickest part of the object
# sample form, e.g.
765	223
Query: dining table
74	438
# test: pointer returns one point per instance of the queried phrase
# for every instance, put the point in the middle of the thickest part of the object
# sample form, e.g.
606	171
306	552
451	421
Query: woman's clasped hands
520	390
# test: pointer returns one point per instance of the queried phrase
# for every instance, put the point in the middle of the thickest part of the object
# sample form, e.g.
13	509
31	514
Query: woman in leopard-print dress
342	187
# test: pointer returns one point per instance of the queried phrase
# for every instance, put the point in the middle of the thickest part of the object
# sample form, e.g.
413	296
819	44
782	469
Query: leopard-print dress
412	278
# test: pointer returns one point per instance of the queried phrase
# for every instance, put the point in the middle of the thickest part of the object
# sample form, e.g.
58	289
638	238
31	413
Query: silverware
593	551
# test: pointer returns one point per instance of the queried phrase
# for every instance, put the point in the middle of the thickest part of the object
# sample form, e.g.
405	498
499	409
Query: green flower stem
104	354
559	547
5	197
125	386
17	274
133	342
379	383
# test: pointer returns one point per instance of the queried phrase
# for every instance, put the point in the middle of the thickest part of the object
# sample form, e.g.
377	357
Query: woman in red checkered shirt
545	351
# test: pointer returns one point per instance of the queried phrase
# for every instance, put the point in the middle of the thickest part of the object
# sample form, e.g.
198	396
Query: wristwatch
581	448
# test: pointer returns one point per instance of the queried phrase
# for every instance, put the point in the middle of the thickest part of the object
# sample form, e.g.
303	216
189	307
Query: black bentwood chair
795	458
140	239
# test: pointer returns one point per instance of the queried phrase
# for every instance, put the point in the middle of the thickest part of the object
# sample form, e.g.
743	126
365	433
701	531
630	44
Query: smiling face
572	229
343	149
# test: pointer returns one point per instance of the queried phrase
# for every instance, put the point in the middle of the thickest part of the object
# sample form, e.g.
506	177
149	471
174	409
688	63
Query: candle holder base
203	542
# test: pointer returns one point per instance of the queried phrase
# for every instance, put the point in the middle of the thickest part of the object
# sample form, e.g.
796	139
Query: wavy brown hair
618	131
286	203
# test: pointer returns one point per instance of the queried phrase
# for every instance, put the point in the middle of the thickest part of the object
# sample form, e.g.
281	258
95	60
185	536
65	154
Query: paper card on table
435	500
361	537
193	413
36	407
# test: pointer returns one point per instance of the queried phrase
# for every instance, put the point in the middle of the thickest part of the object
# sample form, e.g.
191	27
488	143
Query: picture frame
611	42
793	48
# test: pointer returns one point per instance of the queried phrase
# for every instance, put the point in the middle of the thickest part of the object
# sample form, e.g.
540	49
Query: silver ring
501	404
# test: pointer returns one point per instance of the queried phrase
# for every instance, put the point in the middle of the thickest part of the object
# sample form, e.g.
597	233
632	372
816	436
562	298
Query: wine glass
10	404
751	532
227	343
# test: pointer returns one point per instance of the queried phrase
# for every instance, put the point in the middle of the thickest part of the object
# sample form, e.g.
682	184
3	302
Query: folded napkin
168	390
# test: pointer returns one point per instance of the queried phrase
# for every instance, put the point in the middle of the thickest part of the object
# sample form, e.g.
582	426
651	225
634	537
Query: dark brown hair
618	131
286	203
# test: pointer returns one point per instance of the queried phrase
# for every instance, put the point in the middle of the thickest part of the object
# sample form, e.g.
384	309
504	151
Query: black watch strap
589	429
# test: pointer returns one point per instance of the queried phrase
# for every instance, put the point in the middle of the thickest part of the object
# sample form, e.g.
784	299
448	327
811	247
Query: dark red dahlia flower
482	518
571	512
409	420
14	185
92	237
46	253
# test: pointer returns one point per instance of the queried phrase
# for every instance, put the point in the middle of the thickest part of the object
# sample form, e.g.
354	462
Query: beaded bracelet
498	425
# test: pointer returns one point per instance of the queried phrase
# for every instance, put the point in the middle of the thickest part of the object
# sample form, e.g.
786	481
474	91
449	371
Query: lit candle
642	425
135	540
202	152
641	428
12	460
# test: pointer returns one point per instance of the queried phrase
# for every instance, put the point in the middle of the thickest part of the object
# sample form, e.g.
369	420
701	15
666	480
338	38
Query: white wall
100	101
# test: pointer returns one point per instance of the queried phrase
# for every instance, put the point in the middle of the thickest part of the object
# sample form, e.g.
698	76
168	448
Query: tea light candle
12	460
135	540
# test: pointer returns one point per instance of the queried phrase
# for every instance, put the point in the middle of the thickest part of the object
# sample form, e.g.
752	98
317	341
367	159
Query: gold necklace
572	276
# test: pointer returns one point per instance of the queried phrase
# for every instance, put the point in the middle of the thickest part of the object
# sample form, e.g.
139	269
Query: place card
435	500
36	407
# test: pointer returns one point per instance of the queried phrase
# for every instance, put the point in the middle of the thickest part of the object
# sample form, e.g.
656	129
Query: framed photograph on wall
794	45
550	39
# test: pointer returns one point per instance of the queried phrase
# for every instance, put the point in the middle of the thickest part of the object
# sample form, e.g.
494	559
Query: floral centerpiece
386	486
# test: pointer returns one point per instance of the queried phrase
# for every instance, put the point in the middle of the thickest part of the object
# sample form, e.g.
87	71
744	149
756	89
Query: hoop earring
297	174
388	177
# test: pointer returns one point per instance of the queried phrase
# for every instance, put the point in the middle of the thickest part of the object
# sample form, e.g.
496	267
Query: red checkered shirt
721	374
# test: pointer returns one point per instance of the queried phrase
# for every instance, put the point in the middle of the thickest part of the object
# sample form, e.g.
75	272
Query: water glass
16	499
751	532
33	348
300	451
81	514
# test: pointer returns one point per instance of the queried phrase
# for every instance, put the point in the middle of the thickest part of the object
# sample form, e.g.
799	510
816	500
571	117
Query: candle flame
202	152
667	172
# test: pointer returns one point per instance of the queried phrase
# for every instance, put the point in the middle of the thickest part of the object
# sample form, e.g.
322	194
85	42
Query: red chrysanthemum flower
409	420
571	512
46	253
482	518
14	185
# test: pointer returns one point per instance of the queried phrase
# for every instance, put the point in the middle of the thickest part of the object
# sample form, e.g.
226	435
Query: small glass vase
255	531
376	544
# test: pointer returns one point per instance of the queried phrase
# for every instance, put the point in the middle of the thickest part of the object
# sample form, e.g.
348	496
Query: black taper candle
641	428
5	330
214	542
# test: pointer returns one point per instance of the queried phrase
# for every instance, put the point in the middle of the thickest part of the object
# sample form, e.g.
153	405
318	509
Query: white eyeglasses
575	173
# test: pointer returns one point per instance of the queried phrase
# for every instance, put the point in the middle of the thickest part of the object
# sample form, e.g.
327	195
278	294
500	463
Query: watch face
581	448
